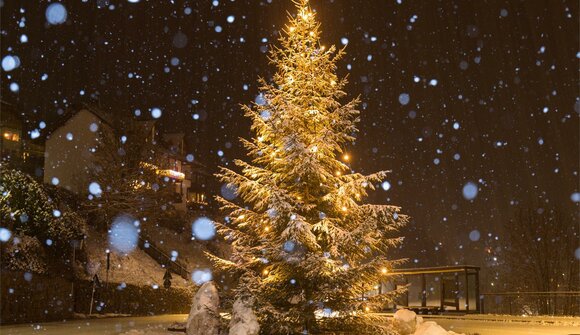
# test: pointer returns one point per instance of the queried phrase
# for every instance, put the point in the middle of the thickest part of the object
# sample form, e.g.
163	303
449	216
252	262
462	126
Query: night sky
453	92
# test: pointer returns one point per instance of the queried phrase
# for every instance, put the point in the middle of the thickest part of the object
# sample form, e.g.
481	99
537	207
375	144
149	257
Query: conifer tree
306	249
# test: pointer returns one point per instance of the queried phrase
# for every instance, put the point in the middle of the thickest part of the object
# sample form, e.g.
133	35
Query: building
70	147
11	129
17	149
191	177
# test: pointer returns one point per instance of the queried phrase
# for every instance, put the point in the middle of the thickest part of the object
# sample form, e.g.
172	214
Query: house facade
70	149
72	144
17	147
190	176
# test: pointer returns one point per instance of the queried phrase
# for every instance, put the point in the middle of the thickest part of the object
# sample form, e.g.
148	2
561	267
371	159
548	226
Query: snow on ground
507	328
135	268
148	325
157	325
408	323
542	320
188	252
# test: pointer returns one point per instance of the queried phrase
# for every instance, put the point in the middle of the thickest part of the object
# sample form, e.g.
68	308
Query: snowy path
153	325
157	325
507	328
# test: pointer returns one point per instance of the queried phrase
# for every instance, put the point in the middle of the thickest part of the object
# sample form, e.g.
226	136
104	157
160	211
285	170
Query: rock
406	321
244	321
204	318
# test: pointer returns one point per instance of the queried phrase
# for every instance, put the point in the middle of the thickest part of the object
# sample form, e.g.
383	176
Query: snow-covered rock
204	318
244	321
430	328
406	321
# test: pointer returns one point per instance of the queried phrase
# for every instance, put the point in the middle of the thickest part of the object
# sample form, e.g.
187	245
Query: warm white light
312	112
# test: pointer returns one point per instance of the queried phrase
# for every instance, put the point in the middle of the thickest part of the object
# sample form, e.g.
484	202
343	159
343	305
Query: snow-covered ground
135	268
488	324
157	325
189	252
150	325
507	328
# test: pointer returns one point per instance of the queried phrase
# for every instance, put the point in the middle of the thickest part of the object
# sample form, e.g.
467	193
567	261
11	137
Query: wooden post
108	267
456	291
442	285
424	291
407	295
478	304
92	299
466	290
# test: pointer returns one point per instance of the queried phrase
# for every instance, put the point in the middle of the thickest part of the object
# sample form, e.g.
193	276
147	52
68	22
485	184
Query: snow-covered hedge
27	254
35	221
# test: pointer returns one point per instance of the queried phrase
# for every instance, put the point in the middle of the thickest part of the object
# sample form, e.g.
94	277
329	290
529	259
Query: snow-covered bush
25	253
28	210
36	220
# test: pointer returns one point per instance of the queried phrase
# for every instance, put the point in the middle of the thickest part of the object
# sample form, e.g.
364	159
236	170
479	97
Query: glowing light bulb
265	272
384	270
346	157
344	209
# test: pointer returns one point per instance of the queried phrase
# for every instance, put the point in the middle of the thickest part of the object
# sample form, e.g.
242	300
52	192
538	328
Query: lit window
10	136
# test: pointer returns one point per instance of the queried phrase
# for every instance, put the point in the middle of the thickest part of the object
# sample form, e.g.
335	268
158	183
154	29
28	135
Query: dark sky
492	88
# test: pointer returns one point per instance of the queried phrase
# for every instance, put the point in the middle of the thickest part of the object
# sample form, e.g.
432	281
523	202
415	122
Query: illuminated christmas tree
306	249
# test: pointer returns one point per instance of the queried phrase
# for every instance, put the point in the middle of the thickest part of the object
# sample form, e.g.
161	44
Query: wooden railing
163	258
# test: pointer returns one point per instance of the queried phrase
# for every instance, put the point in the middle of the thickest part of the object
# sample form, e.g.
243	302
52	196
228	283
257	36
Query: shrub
25	253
